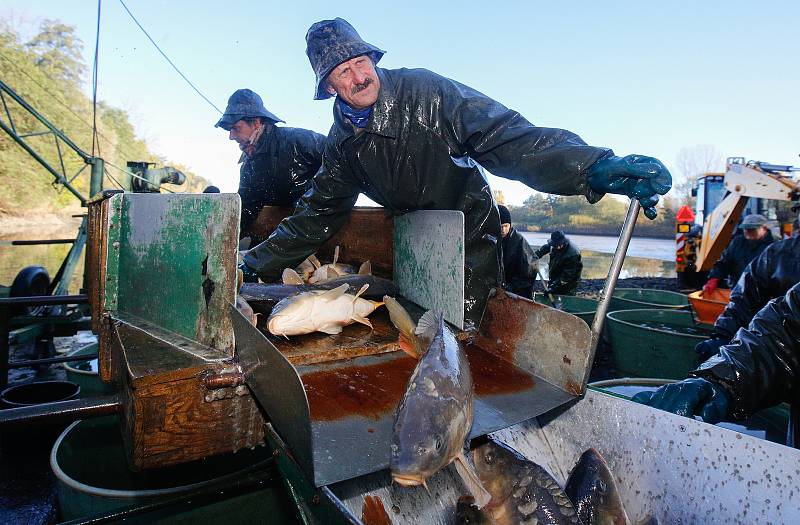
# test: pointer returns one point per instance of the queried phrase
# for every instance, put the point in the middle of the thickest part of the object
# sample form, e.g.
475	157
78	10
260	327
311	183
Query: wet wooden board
367	235
355	340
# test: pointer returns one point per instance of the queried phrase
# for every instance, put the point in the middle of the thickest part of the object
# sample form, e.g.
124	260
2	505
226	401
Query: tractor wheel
30	281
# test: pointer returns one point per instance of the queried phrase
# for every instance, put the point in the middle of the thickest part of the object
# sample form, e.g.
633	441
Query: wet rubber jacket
519	264
420	150
737	256
761	365
279	172
564	268
768	276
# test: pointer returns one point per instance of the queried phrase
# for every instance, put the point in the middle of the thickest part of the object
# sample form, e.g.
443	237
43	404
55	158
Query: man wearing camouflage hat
742	249
412	140
278	163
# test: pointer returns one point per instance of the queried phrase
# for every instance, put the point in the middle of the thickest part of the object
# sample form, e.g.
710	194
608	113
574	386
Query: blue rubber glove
690	397
637	176
250	275
709	347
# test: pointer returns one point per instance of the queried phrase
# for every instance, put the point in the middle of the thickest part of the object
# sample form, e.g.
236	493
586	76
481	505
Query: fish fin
239	280
362	320
365	268
362	290
428	324
330	295
336	254
314	261
334	271
471	481
330	329
290	276
405	325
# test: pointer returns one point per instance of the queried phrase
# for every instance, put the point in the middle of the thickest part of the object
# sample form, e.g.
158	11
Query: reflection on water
50	256
596	265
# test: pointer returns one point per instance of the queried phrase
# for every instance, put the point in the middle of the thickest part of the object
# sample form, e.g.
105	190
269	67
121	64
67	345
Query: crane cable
167	58
94	80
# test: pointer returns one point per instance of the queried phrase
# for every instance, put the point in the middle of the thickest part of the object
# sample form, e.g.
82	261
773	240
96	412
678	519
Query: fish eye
438	442
489	457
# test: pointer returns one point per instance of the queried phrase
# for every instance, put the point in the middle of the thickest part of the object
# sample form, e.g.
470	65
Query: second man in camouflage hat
277	163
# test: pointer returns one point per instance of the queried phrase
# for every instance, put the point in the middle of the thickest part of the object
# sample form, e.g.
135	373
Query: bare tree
693	161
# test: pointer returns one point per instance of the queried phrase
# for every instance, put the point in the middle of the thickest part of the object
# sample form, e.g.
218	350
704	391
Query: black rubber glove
709	347
690	397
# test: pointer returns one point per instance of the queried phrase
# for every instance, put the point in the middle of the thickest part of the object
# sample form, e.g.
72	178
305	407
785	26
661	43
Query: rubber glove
250	275
637	176
711	285
690	397
709	347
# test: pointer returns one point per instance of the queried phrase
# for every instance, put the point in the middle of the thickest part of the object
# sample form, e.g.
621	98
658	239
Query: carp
521	490
592	489
325	272
326	311
434	417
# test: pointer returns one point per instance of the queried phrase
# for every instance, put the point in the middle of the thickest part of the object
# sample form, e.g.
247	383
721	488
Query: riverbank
43	223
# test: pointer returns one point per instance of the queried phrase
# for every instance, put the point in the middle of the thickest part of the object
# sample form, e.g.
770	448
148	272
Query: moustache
361	87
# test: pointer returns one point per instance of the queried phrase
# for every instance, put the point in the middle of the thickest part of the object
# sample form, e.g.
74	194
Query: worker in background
519	261
211	189
768	276
759	368
414	140
277	163
741	250
565	266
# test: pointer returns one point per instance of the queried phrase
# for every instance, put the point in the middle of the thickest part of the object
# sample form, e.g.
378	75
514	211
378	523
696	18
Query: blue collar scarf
359	117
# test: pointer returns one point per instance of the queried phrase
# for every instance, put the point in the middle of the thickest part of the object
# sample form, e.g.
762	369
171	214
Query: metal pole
61	411
96	180
36	242
611	281
44	300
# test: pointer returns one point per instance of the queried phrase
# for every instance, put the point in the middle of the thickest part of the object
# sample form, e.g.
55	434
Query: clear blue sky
640	77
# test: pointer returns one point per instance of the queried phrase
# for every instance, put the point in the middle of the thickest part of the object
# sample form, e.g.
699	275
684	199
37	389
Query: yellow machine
721	201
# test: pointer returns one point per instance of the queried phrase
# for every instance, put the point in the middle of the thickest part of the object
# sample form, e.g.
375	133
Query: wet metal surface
677	469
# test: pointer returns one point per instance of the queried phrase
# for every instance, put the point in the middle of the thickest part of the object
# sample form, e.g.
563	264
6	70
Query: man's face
242	131
755	234
356	82
504	229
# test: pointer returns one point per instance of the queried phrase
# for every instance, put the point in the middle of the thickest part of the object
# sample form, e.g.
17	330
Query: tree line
48	71
543	212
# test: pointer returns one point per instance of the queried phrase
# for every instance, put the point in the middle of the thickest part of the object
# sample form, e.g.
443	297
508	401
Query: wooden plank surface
367	235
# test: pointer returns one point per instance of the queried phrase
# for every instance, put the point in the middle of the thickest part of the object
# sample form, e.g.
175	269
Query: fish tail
471	481
405	325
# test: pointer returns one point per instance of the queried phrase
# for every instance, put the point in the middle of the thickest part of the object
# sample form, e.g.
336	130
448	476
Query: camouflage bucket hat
244	103
331	42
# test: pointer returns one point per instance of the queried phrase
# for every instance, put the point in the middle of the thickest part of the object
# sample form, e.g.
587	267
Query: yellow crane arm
741	181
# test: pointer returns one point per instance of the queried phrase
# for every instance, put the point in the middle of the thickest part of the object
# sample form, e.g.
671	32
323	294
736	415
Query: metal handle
613	274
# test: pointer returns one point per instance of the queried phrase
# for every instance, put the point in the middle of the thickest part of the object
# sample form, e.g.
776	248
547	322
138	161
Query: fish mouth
408	480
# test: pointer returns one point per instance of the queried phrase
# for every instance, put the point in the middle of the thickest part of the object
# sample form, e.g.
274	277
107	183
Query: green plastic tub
630	298
578	306
770	424
85	374
93	477
654	343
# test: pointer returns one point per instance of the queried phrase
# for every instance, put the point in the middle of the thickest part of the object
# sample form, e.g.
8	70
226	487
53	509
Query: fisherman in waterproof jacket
565	266
519	261
278	163
740	251
759	368
413	140
768	276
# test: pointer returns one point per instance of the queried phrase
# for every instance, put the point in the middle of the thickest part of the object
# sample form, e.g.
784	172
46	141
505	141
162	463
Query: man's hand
709	347
710	285
250	275
637	176
690	397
